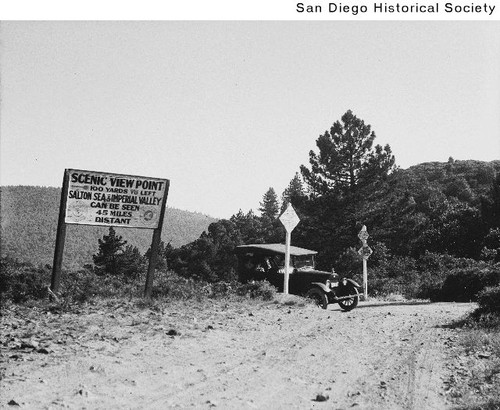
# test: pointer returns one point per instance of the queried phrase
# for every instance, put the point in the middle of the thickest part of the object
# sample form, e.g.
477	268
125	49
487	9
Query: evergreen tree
131	262
347	159
293	193
346	165
108	259
164	253
269	206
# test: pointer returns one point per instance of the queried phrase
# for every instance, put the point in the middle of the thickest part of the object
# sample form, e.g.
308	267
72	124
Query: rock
321	397
484	355
13	403
29	344
173	332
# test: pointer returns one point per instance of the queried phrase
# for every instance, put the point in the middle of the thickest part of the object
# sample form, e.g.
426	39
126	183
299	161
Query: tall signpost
289	219
104	199
365	251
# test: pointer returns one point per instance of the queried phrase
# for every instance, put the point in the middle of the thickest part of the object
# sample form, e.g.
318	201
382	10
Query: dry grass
479	389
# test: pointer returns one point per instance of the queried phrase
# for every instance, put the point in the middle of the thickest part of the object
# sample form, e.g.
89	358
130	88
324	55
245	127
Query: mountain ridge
29	217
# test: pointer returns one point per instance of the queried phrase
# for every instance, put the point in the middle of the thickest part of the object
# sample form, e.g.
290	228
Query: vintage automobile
267	262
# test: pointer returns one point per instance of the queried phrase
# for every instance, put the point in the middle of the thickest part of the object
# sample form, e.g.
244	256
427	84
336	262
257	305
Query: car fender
349	280
322	286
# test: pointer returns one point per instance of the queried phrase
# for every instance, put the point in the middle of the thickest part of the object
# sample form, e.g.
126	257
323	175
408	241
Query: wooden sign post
365	251
104	199
289	219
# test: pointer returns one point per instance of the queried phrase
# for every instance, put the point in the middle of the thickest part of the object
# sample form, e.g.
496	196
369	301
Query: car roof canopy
272	248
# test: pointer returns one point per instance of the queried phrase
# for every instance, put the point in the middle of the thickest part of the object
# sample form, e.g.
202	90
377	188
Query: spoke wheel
318	296
351	303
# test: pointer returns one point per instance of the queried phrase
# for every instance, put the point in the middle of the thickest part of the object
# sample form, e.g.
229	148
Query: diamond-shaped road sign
363	234
289	218
365	251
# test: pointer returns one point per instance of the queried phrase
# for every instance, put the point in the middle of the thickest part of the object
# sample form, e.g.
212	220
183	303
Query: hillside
29	222
469	179
434	206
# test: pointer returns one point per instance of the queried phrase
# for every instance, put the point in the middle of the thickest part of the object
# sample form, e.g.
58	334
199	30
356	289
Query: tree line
450	208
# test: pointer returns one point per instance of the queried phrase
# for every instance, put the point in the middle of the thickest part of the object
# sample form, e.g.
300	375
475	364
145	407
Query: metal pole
60	236
287	261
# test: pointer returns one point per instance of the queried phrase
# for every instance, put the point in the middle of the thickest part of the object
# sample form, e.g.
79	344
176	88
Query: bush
464	285
78	286
20	282
170	284
223	289
257	290
397	275
83	285
489	300
432	276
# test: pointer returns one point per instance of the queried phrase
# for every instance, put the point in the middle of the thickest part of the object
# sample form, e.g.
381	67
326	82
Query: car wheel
318	296
351	303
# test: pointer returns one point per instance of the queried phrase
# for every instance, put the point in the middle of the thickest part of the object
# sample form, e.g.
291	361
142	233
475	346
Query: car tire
318	296
349	304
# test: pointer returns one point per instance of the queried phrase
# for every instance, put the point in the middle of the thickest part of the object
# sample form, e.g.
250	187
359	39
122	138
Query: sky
227	109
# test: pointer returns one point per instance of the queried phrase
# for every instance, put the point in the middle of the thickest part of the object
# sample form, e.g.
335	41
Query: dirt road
255	355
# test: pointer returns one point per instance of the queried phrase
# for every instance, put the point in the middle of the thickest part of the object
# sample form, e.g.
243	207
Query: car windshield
304	262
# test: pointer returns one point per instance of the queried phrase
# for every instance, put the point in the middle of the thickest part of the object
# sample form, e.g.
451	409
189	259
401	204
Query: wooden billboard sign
105	199
289	219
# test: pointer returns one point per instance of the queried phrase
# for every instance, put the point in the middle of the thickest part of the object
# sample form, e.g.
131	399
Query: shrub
379	287
464	285
223	289
257	290
489	300
170	284
20	282
397	275
80	286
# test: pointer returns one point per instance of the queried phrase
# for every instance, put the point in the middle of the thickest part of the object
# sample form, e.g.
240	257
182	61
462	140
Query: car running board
348	297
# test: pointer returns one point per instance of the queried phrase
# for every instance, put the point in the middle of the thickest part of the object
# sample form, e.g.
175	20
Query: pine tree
269	206
108	259
347	159
131	263
293	193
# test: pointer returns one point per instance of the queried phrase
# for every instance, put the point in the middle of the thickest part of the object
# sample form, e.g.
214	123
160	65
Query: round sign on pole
289	219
